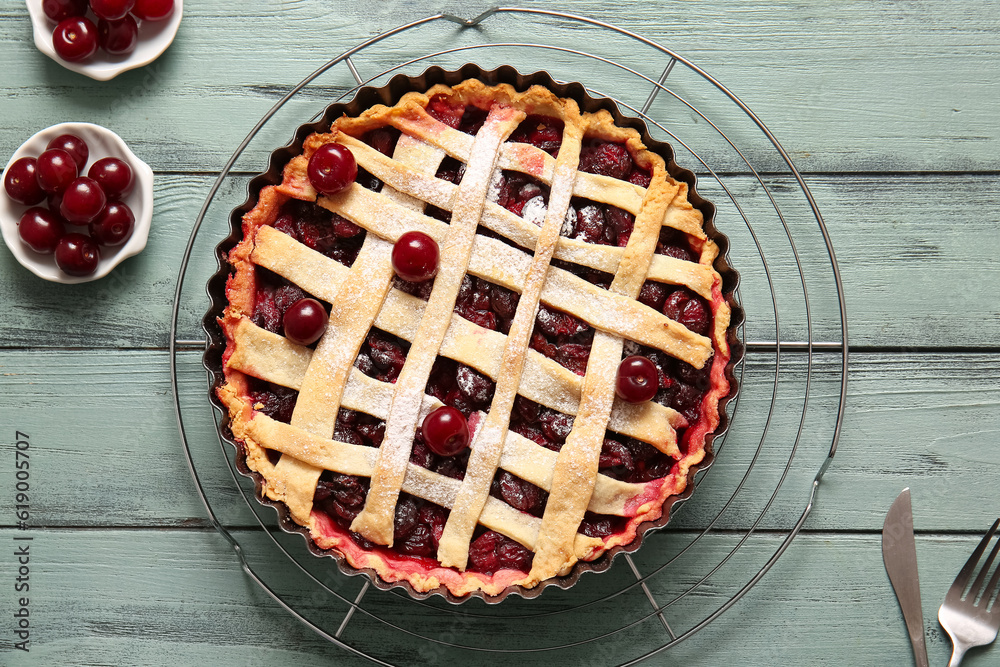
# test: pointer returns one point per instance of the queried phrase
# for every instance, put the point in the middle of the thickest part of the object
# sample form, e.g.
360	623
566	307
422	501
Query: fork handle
957	654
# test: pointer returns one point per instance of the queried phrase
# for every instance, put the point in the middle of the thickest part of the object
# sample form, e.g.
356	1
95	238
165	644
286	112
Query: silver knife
899	552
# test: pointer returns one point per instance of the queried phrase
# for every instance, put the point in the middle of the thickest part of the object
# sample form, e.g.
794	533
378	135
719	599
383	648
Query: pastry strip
375	522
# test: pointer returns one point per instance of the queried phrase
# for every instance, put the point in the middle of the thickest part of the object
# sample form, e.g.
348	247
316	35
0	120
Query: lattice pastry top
564	247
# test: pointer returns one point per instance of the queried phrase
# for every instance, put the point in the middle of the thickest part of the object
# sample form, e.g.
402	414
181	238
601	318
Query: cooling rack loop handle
471	23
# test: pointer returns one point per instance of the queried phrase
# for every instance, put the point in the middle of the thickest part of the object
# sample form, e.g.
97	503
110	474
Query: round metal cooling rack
768	465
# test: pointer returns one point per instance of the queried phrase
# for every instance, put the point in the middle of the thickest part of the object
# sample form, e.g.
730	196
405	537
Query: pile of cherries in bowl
93	200
76	38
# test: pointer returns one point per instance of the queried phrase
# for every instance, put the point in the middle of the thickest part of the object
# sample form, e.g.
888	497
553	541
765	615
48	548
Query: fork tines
980	596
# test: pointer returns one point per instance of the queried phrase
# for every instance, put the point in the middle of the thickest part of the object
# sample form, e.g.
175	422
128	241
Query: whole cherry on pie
332	168
446	431
21	182
415	257
305	321
637	380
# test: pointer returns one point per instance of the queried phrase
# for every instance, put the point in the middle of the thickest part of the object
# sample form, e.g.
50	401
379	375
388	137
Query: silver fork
968	617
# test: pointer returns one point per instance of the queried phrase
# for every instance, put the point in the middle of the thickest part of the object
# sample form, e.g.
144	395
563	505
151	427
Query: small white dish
102	143
154	38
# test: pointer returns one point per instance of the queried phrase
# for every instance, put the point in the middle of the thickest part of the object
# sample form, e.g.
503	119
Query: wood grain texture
111	597
854	86
923	242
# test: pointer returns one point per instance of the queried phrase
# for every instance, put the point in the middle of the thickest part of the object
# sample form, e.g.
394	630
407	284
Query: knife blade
899	553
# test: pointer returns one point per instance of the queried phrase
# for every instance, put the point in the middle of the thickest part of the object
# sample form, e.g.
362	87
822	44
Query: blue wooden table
889	110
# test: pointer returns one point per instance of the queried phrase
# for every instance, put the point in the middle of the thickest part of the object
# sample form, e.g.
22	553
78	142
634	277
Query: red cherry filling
55	170
518	493
544	132
492	551
382	356
332	168
75	146
445	431
21	182
305	321
637	380
688	309
321	230
41	230
415	257
606	159
77	255
75	39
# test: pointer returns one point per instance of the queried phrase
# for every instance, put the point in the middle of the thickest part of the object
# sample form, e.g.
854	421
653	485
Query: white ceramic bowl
154	38
102	143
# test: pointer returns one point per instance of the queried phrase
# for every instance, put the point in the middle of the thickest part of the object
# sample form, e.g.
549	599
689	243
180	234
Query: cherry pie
565	246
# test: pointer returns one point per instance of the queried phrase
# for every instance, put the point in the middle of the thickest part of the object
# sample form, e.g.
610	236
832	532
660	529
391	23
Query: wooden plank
921	420
179	597
917	240
916	93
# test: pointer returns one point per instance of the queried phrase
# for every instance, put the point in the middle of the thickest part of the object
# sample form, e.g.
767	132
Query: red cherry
21	182
111	10
445	431
114	225
415	257
77	255
75	146
114	176
55	170
637	380
305	321
119	37
75	39
57	10
153	10
83	201
40	229
332	168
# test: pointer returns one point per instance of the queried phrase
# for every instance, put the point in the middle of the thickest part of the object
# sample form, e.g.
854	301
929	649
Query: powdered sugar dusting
534	210
493	191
